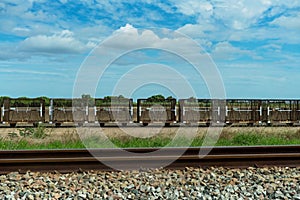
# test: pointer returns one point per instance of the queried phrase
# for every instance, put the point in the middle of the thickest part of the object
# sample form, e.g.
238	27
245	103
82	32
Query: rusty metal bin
113	109
1	110
204	111
245	111
68	110
26	110
279	111
195	110
297	111
160	111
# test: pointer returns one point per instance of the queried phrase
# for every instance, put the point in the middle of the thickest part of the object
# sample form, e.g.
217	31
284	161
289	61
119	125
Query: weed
38	132
26	132
69	137
13	135
246	139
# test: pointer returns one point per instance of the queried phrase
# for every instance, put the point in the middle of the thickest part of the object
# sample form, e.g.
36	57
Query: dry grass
72	134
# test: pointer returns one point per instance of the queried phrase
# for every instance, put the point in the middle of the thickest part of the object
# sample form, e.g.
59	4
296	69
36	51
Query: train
169	111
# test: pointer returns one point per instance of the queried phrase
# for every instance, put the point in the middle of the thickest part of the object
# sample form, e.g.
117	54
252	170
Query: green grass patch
38	132
24	144
141	142
238	139
248	139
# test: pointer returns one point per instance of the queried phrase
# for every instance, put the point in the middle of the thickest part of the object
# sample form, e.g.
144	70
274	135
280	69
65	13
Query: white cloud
289	22
205	33
276	35
132	37
192	7
21	30
91	44
128	28
18	15
38	16
195	30
235	14
275	48
246	21
226	51
14	71
62	42
239	14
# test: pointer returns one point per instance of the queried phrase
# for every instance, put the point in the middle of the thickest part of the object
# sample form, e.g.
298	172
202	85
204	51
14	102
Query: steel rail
69	160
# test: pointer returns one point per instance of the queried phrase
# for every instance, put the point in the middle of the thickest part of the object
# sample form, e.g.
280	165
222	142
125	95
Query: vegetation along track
82	159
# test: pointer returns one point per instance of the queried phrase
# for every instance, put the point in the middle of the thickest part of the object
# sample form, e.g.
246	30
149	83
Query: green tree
46	99
87	97
156	98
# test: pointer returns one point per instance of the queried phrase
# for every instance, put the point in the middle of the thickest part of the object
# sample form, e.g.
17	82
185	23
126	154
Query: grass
37	139
24	144
237	140
38	132
94	142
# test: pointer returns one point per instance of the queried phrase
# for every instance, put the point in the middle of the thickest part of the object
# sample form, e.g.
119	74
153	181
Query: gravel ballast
190	183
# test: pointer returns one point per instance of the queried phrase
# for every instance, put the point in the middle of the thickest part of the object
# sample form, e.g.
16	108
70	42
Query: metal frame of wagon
13	109
116	110
236	111
145	109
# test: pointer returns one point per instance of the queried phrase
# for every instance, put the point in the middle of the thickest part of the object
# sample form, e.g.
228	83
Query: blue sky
254	44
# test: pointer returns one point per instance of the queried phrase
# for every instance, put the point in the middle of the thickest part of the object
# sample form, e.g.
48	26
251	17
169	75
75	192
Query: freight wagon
22	110
168	111
160	111
68	110
113	109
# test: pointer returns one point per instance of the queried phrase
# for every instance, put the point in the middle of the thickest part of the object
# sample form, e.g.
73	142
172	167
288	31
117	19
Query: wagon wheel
13	125
229	124
35	124
102	124
250	124
57	124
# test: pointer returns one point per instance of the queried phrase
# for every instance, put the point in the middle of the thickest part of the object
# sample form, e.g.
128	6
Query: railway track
81	159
